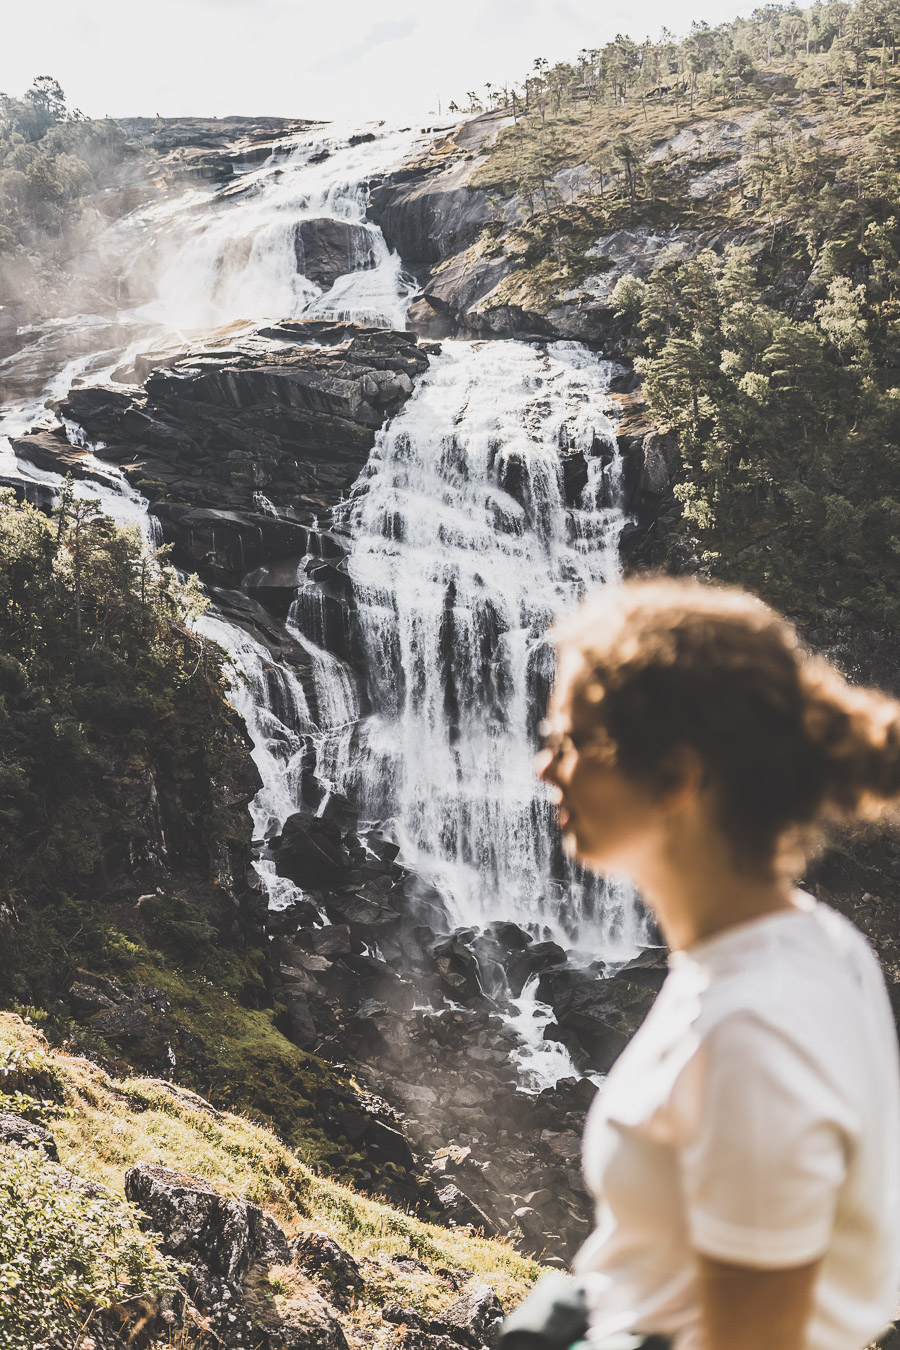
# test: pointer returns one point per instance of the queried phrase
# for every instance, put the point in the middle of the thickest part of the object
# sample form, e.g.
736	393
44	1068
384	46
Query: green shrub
64	1252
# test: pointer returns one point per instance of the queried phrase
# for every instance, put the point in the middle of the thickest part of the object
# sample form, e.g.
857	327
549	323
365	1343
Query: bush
64	1251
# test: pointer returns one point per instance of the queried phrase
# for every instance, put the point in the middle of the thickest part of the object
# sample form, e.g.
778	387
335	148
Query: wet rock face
414	1011
327	249
209	149
427	216
240	447
428	211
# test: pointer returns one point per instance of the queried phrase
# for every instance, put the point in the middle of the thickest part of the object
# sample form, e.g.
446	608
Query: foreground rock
228	1246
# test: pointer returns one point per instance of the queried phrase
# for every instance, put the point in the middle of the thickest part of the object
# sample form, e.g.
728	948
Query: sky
319	59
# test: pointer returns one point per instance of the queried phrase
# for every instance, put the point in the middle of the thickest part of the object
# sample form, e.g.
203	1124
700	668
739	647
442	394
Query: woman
745	1150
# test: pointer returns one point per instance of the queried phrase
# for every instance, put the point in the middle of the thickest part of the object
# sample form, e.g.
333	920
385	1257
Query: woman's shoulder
809	977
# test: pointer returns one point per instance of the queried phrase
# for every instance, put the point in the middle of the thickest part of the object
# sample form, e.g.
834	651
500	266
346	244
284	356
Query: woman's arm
744	1308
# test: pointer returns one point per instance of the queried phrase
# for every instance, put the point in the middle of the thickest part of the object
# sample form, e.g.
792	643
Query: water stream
464	547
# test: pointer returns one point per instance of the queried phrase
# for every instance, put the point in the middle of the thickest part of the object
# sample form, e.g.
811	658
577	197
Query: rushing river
464	548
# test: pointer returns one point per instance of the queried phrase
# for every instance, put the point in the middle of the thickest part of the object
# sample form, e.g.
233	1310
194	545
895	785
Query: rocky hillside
218	438
721	213
718	218
137	1213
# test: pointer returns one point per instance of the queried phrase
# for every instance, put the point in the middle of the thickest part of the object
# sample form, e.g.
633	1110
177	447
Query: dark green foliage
774	354
50	158
789	430
62	1249
114	733
124	778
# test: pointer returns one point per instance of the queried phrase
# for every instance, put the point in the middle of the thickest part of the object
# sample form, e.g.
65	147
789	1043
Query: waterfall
488	506
464	553
271	700
245	252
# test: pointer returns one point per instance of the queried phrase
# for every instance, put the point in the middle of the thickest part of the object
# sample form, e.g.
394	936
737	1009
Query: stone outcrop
196	1223
209	148
328	248
228	1245
242	446
429	211
16	1130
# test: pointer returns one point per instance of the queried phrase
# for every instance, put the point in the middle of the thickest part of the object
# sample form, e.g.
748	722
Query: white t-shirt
754	1118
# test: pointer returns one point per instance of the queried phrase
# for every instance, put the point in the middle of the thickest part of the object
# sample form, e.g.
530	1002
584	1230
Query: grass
226	1041
103	1125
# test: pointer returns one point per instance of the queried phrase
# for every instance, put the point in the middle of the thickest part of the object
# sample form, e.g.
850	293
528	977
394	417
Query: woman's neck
696	888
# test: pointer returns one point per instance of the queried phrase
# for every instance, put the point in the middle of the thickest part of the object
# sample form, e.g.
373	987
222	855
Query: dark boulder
650	967
197	1223
458	968
321	1257
18	1130
596	1015
509	935
474	1318
533	960
90	993
328	248
126	1022
458	1210
311	852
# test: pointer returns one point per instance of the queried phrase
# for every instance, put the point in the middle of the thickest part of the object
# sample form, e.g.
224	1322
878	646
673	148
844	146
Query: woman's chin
570	845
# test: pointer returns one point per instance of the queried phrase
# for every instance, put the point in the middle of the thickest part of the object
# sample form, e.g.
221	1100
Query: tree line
51	158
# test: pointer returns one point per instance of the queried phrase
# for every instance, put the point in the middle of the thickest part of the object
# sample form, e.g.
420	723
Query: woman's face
607	820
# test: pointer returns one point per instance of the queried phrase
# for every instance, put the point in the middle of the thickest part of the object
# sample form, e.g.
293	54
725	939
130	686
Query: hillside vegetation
124	834
763	155
67	1253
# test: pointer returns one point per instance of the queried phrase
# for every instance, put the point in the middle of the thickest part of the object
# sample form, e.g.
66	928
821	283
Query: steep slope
247	1244
721	213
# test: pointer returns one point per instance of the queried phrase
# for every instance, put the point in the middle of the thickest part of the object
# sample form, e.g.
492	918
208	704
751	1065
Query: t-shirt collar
737	937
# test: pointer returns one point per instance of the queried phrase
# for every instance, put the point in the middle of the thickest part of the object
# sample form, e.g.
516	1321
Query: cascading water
247	254
464	546
464	553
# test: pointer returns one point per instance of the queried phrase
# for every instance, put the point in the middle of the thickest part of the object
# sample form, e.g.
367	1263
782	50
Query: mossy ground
103	1125
221	1031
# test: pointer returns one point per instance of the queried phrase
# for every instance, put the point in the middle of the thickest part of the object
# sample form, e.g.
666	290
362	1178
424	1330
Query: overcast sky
308	58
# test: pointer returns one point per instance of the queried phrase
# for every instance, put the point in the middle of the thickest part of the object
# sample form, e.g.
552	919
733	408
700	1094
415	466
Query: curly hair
784	740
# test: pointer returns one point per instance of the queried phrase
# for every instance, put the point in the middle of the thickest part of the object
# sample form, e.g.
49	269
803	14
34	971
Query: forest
51	158
766	150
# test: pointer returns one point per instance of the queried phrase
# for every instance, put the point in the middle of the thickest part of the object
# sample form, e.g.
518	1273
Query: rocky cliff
242	446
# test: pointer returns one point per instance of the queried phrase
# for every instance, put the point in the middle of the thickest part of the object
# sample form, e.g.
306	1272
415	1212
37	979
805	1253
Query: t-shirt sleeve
763	1147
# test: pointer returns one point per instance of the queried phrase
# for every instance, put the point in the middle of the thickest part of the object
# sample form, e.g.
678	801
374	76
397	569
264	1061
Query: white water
235	256
464	554
540	1063
464	551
